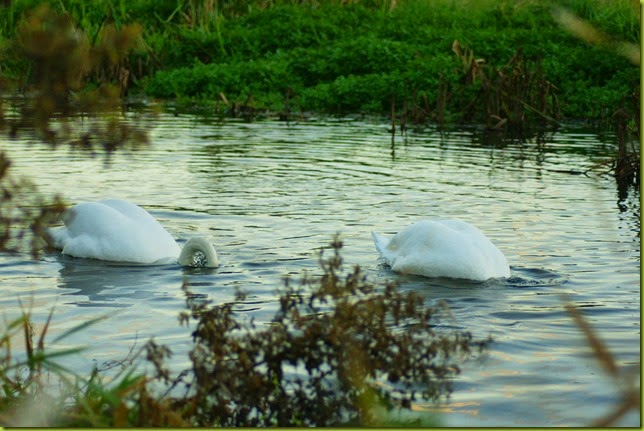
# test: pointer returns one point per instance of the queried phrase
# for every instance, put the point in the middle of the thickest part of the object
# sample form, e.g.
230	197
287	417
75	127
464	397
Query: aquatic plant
357	57
625	118
626	164
341	57
512	96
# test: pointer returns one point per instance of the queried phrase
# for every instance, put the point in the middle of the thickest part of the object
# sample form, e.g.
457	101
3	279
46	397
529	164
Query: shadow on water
535	278
521	278
115	284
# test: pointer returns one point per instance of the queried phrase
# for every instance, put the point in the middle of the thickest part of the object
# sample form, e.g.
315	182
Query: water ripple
270	194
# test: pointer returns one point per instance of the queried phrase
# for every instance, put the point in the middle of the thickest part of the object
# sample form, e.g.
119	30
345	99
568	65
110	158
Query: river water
270	194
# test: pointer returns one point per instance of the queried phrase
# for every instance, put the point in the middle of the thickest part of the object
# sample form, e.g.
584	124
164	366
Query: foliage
36	389
322	52
236	80
511	96
341	59
335	353
339	350
24	215
26	379
62	59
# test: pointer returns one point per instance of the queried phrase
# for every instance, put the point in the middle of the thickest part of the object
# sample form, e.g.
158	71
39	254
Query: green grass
340	59
357	56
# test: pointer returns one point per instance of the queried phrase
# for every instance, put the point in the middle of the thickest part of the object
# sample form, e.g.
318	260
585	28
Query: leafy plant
29	381
338	351
71	72
24	216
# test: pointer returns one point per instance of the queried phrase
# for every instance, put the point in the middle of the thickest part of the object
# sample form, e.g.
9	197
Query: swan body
443	248
118	230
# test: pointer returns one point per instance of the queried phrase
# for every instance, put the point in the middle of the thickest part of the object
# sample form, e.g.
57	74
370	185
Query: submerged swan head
198	252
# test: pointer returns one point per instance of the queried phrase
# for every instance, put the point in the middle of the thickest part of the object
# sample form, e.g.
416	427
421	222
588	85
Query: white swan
118	230
443	248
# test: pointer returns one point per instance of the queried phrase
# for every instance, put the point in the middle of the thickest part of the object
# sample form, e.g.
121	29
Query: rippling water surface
271	193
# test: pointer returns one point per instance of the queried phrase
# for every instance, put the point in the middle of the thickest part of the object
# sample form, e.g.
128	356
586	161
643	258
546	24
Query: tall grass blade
79	327
601	352
41	339
45	358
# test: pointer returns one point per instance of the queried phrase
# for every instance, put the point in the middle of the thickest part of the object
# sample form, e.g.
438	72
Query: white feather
118	230
443	248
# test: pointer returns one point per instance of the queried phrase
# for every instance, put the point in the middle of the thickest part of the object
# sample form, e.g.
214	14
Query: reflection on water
94	283
269	195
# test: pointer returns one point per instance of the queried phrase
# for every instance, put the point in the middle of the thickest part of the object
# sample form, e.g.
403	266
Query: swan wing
443	248
115	230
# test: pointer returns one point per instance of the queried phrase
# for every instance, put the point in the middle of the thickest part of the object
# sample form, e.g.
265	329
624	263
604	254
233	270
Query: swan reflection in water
117	284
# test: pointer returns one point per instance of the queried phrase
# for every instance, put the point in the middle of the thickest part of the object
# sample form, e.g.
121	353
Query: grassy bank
371	56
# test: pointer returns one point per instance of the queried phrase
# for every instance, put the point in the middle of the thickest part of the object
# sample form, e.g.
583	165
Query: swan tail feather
380	242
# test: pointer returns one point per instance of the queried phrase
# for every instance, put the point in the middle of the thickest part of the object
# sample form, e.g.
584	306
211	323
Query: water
270	194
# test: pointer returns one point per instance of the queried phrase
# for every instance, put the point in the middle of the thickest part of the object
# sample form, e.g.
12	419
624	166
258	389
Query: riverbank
442	61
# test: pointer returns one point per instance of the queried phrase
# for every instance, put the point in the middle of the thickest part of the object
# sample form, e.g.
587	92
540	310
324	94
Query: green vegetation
368	56
61	60
24	216
512	66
